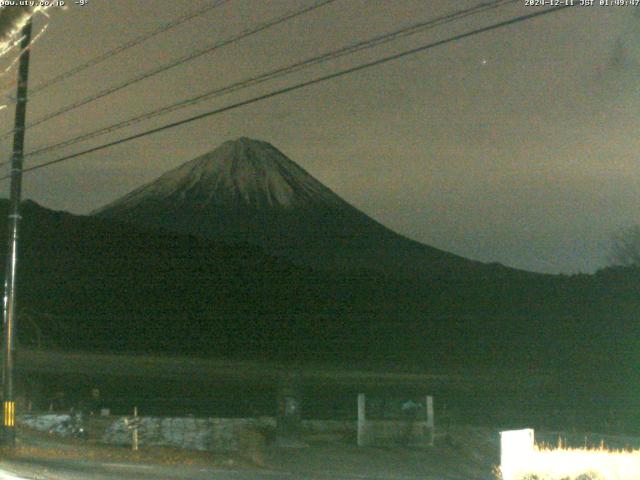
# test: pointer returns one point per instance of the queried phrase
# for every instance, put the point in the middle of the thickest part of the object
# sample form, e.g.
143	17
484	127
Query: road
85	470
468	453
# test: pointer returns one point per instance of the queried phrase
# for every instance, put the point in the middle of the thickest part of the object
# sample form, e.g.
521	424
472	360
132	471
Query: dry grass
545	463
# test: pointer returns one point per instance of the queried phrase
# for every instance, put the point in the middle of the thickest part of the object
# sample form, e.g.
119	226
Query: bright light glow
4	475
33	41
12	20
565	463
516	449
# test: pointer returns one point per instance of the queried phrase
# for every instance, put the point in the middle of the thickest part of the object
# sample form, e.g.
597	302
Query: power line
126	46
298	86
279	72
186	58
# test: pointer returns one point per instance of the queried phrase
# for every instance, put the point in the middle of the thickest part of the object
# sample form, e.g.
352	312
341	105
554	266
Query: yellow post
9	414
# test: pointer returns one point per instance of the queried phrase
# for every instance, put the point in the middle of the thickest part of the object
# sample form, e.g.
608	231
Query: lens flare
12	20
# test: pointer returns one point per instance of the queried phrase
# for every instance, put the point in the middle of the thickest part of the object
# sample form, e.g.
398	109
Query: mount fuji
247	191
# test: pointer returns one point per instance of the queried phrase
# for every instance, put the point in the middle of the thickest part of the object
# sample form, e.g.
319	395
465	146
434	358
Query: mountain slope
243	174
91	283
248	191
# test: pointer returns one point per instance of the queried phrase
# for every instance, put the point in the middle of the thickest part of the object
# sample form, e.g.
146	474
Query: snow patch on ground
46	422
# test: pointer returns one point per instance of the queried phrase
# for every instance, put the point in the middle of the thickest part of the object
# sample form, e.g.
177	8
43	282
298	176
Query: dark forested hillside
91	284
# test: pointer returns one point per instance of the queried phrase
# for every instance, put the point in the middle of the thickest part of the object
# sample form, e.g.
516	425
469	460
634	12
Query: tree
625	248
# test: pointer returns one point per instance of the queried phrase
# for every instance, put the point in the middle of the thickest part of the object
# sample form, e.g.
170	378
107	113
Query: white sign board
516	449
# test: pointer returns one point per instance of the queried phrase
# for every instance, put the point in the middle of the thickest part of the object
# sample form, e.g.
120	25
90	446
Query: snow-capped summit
248	191
239	173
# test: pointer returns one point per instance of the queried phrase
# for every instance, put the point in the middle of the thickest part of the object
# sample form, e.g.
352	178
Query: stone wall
48	422
219	434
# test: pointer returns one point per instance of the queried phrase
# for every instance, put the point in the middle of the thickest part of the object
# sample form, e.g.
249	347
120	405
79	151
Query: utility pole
9	319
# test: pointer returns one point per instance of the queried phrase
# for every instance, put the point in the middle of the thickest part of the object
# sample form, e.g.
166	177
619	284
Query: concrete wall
47	422
222	434
219	434
390	432
328	426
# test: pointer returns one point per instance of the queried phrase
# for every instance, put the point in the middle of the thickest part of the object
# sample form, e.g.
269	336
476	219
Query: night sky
518	146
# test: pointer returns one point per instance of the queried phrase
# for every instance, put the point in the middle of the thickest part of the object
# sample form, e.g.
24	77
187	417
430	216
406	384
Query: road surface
86	470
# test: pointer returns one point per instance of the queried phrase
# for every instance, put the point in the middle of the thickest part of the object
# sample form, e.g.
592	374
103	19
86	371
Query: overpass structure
207	386
256	373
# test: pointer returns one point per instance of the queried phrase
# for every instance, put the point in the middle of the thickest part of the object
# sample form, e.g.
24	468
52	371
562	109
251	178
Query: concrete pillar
430	419
362	420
